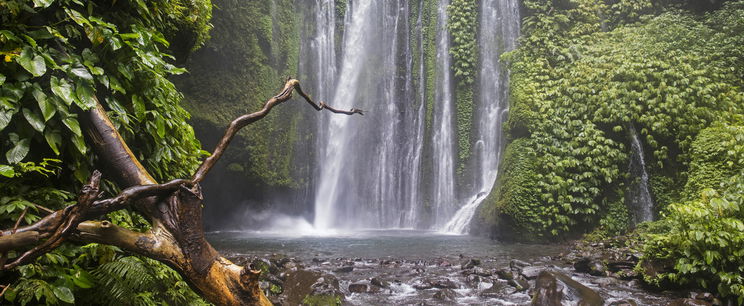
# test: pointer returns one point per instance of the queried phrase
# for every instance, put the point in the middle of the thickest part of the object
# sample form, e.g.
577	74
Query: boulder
379	282
298	284
358	288
519	283
688	302
531	272
447	295
553	288
470	263
590	266
505	274
624	303
345	269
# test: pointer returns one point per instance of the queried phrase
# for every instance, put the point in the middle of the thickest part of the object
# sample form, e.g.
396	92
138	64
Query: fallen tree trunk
173	208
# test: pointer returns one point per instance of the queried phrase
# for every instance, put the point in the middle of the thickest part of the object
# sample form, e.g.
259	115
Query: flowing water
641	203
443	152
411	261
499	29
371	171
370	165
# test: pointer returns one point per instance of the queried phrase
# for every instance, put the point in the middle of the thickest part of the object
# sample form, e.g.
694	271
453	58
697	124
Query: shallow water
370	244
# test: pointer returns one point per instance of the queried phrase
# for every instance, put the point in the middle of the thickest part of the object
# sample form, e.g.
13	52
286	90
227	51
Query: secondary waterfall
371	171
641	203
499	29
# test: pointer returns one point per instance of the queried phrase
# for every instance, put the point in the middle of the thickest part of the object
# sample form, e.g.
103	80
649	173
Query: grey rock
358	287
447	295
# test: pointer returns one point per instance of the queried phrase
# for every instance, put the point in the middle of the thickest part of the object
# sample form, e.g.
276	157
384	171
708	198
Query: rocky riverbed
569	279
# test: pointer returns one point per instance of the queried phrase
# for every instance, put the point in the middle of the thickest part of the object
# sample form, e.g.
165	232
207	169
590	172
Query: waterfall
640	201
499	29
443	148
368	169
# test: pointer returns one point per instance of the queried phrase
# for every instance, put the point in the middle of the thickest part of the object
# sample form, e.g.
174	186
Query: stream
405	267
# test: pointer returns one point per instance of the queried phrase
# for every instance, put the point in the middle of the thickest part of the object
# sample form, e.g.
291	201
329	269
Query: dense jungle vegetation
586	73
57	56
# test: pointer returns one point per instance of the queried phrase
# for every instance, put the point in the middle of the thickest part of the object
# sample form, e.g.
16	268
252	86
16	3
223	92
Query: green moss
254	46
464	120
462	18
515	195
321	300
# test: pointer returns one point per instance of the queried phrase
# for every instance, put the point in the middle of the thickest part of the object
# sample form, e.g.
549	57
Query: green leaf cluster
702	239
577	88
59	58
462	16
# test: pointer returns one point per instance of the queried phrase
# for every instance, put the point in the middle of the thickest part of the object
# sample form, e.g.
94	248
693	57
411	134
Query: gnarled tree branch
242	121
177	235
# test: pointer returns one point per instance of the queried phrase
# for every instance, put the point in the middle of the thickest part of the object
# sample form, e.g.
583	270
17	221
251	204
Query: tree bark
174	209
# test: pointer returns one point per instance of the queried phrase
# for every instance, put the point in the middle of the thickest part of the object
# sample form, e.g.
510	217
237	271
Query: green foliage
462	16
576	89
464	106
717	154
702	237
59	58
321	300
704	241
255	46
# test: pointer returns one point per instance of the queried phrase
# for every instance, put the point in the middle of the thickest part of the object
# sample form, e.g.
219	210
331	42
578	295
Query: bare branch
60	224
242	121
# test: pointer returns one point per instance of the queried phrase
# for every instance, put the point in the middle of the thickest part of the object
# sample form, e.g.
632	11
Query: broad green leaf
161	126
83	279
43	3
7	171
73	125
54	139
32	63
80	144
77	17
2	79
5	117
81	72
47	108
33	119
64	294
62	89
139	107
85	95
19	151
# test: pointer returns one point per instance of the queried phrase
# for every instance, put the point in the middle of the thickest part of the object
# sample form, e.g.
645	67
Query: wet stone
470	263
358	288
481	271
379	282
531	272
688	302
445	295
345	269
624	303
505	274
517	264
520	284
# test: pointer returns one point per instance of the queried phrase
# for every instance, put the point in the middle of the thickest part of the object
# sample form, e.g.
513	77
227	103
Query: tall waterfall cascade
396	167
640	200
